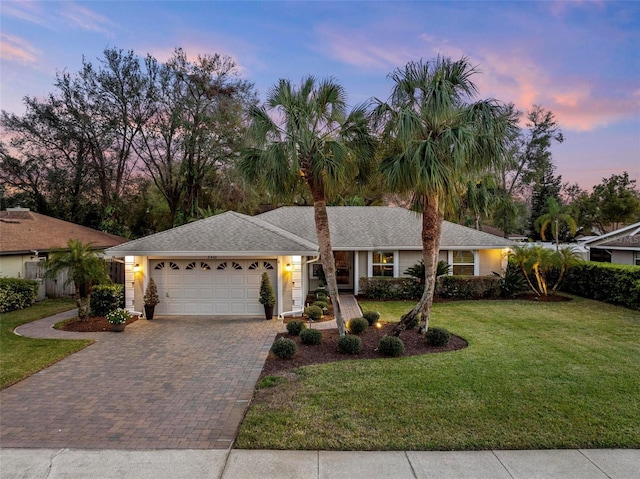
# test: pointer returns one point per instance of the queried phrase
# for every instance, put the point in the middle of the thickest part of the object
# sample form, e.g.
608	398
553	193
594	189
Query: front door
344	269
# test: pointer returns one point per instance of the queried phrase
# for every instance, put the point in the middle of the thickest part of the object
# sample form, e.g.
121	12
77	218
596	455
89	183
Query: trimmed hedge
106	298
611	283
379	287
468	287
17	293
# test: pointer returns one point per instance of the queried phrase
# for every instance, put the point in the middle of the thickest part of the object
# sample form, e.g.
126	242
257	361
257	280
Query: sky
579	59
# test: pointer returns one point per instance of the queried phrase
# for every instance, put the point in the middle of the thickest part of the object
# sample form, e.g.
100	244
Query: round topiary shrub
284	348
314	313
371	317
295	327
391	346
437	337
311	336
321	304
349	344
357	325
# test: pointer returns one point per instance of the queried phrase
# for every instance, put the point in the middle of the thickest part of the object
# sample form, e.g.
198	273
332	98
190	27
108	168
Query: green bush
468	287
611	283
321	296
284	348
391	346
17	293
357	325
314	313
311	336
106	298
295	327
349	344
321	304
379	287
512	281
437	337
371	317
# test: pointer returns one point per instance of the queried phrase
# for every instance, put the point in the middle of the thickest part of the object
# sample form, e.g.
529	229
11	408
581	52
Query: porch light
287	267
136	268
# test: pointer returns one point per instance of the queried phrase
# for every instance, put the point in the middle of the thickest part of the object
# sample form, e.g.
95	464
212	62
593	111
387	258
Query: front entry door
344	269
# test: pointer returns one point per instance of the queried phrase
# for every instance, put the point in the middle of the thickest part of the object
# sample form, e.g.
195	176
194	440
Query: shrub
295	327
371	317
150	297
468	287
357	325
611	283
267	296
311	336
512	281
417	270
349	344
314	313
321	304
391	346
284	348
17	293
390	288
437	337
118	316
106	298
321	296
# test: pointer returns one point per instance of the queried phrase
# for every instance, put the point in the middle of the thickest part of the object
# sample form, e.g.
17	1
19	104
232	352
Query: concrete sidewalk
246	464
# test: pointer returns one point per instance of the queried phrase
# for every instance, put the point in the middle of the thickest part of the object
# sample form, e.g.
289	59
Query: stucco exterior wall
622	257
13	266
490	261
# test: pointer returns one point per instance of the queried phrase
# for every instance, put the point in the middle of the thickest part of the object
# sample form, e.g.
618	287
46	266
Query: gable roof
23	231
375	227
627	237
227	234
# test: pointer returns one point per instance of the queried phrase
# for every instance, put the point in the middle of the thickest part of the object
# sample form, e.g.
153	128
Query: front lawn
535	376
19	356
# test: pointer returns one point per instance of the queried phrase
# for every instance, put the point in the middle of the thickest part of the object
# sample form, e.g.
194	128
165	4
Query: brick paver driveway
168	383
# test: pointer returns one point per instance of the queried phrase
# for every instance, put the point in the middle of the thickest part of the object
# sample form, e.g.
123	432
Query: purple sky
578	59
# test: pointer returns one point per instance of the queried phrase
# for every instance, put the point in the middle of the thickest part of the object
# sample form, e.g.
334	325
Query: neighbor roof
23	231
625	238
374	227
227	234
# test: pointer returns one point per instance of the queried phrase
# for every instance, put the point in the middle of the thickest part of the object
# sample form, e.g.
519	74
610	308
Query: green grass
21	357
535	376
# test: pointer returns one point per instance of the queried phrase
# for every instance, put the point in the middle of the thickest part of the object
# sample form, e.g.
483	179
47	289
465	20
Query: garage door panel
222	287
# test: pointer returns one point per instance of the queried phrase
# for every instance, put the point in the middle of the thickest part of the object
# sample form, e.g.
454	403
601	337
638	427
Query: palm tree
442	140
310	139
84	269
553	217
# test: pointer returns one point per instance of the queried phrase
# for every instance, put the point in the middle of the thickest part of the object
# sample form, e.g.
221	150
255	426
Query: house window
464	262
636	259
600	255
382	263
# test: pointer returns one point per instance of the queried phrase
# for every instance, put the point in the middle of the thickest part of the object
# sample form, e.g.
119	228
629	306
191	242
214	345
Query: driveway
170	383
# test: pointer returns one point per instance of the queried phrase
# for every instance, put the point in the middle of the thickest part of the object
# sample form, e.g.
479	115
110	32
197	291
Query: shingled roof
373	227
23	231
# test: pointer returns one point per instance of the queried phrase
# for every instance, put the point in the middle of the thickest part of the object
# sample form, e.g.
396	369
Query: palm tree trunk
326	253
431	229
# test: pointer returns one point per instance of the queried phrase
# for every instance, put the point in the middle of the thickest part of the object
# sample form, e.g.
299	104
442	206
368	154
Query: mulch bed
327	351
93	324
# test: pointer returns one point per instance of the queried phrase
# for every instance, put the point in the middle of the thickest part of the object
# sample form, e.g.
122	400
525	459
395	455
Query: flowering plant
118	316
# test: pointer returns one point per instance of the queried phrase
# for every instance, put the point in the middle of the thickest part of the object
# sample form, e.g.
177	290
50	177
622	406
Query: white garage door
221	286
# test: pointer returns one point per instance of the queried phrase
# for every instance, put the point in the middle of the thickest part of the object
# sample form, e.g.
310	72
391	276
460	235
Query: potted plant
267	296
118	319
150	299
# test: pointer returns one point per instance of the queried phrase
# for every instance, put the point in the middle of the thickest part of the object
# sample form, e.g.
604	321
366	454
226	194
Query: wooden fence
55	287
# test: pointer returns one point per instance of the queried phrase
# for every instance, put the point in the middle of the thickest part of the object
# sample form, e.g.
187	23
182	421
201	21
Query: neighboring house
213	266
620	246
26	236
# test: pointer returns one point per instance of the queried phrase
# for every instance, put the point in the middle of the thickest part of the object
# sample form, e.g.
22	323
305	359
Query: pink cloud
27	11
13	48
86	19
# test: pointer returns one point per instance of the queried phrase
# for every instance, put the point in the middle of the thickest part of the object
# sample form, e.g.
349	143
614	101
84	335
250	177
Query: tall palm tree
553	217
305	135
442	139
84	269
